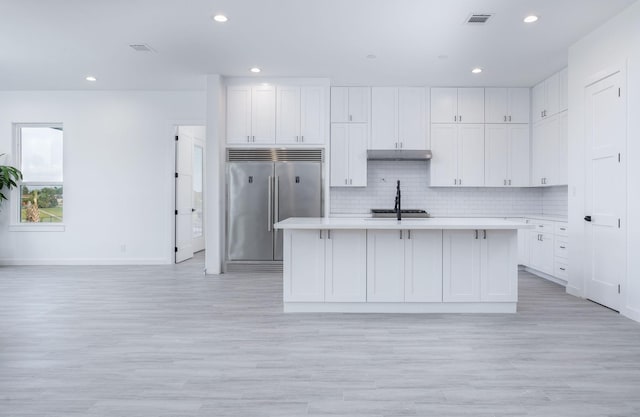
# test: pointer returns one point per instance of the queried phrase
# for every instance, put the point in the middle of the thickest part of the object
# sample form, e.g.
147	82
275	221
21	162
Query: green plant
8	177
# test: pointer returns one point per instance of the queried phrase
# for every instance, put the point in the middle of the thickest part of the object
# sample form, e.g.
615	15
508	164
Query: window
39	149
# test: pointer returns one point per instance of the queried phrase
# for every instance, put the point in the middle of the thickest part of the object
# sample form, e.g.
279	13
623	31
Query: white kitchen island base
408	266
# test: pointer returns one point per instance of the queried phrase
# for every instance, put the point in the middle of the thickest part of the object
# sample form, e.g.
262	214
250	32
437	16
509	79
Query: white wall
118	174
614	44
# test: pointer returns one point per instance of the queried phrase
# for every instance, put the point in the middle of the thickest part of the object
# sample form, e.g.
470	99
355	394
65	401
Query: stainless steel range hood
398	155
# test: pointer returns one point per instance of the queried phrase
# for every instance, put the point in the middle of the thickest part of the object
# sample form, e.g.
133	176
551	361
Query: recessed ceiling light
371	56
477	70
91	78
530	19
220	18
255	70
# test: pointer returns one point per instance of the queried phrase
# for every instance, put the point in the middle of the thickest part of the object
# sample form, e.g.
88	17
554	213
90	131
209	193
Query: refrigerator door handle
269	202
276	213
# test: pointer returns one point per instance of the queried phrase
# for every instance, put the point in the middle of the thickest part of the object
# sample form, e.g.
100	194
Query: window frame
16	224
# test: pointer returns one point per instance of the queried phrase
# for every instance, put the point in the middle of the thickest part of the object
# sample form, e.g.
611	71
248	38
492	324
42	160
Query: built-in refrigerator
265	186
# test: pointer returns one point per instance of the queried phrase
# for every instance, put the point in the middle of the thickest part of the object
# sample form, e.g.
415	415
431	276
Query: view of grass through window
41	204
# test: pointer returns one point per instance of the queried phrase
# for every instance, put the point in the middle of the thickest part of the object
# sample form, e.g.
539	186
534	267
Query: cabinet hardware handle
455	118
459	181
455	181
346	181
509	182
563	228
409	234
459	118
320	234
400	234
562	269
350	118
270	202
396	145
400	145
505	182
301	138
509	118
505	118
254	138
328	234
485	235
476	234
248	138
562	247
350	181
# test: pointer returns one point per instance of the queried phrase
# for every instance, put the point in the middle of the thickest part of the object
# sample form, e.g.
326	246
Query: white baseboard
85	262
631	313
304	307
576	292
548	277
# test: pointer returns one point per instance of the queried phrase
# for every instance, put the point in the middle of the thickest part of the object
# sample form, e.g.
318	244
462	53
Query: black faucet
397	207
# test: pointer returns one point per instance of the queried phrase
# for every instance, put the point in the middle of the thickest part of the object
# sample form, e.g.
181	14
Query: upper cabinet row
266	114
550	96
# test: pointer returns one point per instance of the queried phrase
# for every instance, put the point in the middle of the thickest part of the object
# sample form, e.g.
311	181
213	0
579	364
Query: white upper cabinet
457	105
398	118
563	149
507	105
300	115
251	114
506	155
238	114
263	114
350	104
547	151
458	155
348	155
550	96
564	89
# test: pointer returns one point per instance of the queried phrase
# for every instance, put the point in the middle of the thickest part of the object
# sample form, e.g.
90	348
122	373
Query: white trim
85	262
632	313
295	307
37	227
548	277
575	291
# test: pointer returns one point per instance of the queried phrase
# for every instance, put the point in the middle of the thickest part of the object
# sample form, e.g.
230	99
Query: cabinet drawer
561	270
543	226
561	249
562	229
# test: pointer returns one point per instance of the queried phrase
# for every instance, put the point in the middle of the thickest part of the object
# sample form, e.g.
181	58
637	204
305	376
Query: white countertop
448	223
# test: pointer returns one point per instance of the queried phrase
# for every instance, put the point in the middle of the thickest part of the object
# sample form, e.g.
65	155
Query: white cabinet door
339	154
359	104
542	252
496	105
339	104
552	86
539	100
384	118
412	118
304	254
346	266
562	150
288	115
563	89
471	155
545	151
496	155
471	105
357	155
238	114
538	152
499	266
385	266
444	105
519	155
423	266
444	163
460	266
263	114
312	115
519	105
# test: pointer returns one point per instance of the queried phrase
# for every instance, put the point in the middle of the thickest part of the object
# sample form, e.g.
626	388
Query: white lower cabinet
404	266
345	266
545	249
325	265
304	254
542	249
479	265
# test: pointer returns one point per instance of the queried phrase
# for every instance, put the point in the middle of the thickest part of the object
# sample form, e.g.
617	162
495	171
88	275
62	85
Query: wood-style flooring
164	341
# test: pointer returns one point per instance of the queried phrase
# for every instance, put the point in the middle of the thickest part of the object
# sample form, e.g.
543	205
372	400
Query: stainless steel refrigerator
265	186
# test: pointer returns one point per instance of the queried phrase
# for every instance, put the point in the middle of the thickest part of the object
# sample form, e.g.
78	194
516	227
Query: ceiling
54	44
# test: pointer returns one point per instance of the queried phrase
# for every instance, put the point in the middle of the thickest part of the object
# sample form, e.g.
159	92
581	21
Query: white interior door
605	134
198	187
184	195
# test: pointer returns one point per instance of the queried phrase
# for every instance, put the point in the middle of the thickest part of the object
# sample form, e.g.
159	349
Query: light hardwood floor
168	341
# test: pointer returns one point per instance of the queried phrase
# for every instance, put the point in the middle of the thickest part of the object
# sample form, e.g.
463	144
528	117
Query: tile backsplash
555	201
414	178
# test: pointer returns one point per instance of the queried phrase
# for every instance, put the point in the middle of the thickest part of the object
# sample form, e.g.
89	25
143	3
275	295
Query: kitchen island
372	265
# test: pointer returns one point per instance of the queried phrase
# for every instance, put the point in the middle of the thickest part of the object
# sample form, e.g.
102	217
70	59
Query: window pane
41	154
197	190
41	204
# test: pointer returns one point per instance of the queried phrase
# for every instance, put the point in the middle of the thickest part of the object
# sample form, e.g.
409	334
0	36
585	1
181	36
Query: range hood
398	155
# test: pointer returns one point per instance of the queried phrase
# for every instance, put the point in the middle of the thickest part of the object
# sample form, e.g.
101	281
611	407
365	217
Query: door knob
587	218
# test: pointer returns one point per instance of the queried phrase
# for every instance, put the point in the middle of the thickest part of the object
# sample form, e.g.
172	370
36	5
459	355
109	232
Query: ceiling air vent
479	19
141	47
